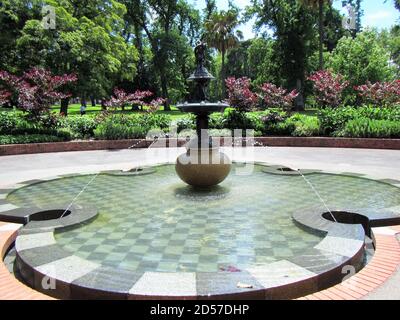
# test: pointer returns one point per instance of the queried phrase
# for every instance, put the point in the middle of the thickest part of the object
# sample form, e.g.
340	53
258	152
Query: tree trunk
103	105
93	100
223	75
164	88
321	34
299	101
64	106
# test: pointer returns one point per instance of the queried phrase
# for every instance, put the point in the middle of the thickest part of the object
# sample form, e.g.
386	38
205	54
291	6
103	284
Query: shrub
361	59
380	93
333	120
284	128
8	121
370	128
81	127
34	138
110	130
276	97
153	121
241	120
240	95
186	123
305	126
217	121
328	88
37	89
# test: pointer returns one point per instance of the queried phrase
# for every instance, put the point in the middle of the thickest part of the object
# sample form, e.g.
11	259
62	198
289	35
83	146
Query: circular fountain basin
262	236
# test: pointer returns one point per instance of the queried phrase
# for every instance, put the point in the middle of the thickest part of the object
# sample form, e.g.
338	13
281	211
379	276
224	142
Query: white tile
342	246
7	207
279	273
35	240
68	269
165	284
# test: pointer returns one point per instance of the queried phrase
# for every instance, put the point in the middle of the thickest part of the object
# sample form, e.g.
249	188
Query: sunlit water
155	223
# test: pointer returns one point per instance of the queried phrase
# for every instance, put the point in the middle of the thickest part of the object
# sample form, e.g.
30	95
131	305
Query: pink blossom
240	95
380	93
37	89
328	87
278	97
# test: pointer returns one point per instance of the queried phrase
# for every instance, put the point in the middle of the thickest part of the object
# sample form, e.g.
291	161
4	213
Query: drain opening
49	215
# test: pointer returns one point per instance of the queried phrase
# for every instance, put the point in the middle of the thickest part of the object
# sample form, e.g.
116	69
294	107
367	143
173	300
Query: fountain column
203	165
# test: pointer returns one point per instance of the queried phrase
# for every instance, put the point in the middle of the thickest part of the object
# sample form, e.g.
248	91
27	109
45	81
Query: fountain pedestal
203	165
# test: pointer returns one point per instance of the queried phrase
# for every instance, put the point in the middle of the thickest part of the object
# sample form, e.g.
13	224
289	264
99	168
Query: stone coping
383	265
138	171
39	257
11	288
311	142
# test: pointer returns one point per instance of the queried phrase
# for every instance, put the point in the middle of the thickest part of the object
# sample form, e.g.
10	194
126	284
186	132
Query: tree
86	41
221	33
361	59
320	4
13	16
292	25
37	89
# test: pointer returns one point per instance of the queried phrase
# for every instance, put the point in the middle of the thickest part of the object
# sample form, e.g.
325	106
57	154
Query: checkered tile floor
155	223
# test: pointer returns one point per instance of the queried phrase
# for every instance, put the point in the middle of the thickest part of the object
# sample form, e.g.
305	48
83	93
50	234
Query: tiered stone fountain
203	165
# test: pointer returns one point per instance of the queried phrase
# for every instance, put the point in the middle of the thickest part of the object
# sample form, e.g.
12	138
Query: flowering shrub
328	88
277	97
380	93
4	97
37	89
240	95
121	99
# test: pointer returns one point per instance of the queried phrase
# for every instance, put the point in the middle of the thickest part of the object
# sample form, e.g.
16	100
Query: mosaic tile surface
155	223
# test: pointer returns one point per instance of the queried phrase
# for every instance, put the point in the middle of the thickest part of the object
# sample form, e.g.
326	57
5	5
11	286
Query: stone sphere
203	167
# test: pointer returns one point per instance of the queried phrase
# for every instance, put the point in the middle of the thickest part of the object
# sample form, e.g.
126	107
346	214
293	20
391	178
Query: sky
377	13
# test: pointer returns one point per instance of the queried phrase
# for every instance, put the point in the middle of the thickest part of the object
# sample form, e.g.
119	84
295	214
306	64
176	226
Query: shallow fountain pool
155	223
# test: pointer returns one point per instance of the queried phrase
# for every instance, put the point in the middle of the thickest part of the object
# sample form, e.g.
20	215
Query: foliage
30	138
37	89
293	29
305	126
241	120
110	130
380	93
240	95
371	128
334	120
81	126
328	87
360	60
221	33
8	121
277	97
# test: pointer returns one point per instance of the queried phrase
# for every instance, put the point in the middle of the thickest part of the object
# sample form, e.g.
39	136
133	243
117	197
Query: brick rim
311	142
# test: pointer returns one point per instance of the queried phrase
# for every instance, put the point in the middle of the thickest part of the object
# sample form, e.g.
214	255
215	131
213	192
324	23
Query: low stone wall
316	142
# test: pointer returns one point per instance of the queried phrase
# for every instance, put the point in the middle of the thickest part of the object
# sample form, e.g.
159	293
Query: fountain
203	165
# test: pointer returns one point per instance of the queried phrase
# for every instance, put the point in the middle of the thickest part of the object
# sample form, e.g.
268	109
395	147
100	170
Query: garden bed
310	142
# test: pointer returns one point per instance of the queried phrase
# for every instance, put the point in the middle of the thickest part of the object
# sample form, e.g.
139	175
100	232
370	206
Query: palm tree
221	33
320	4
